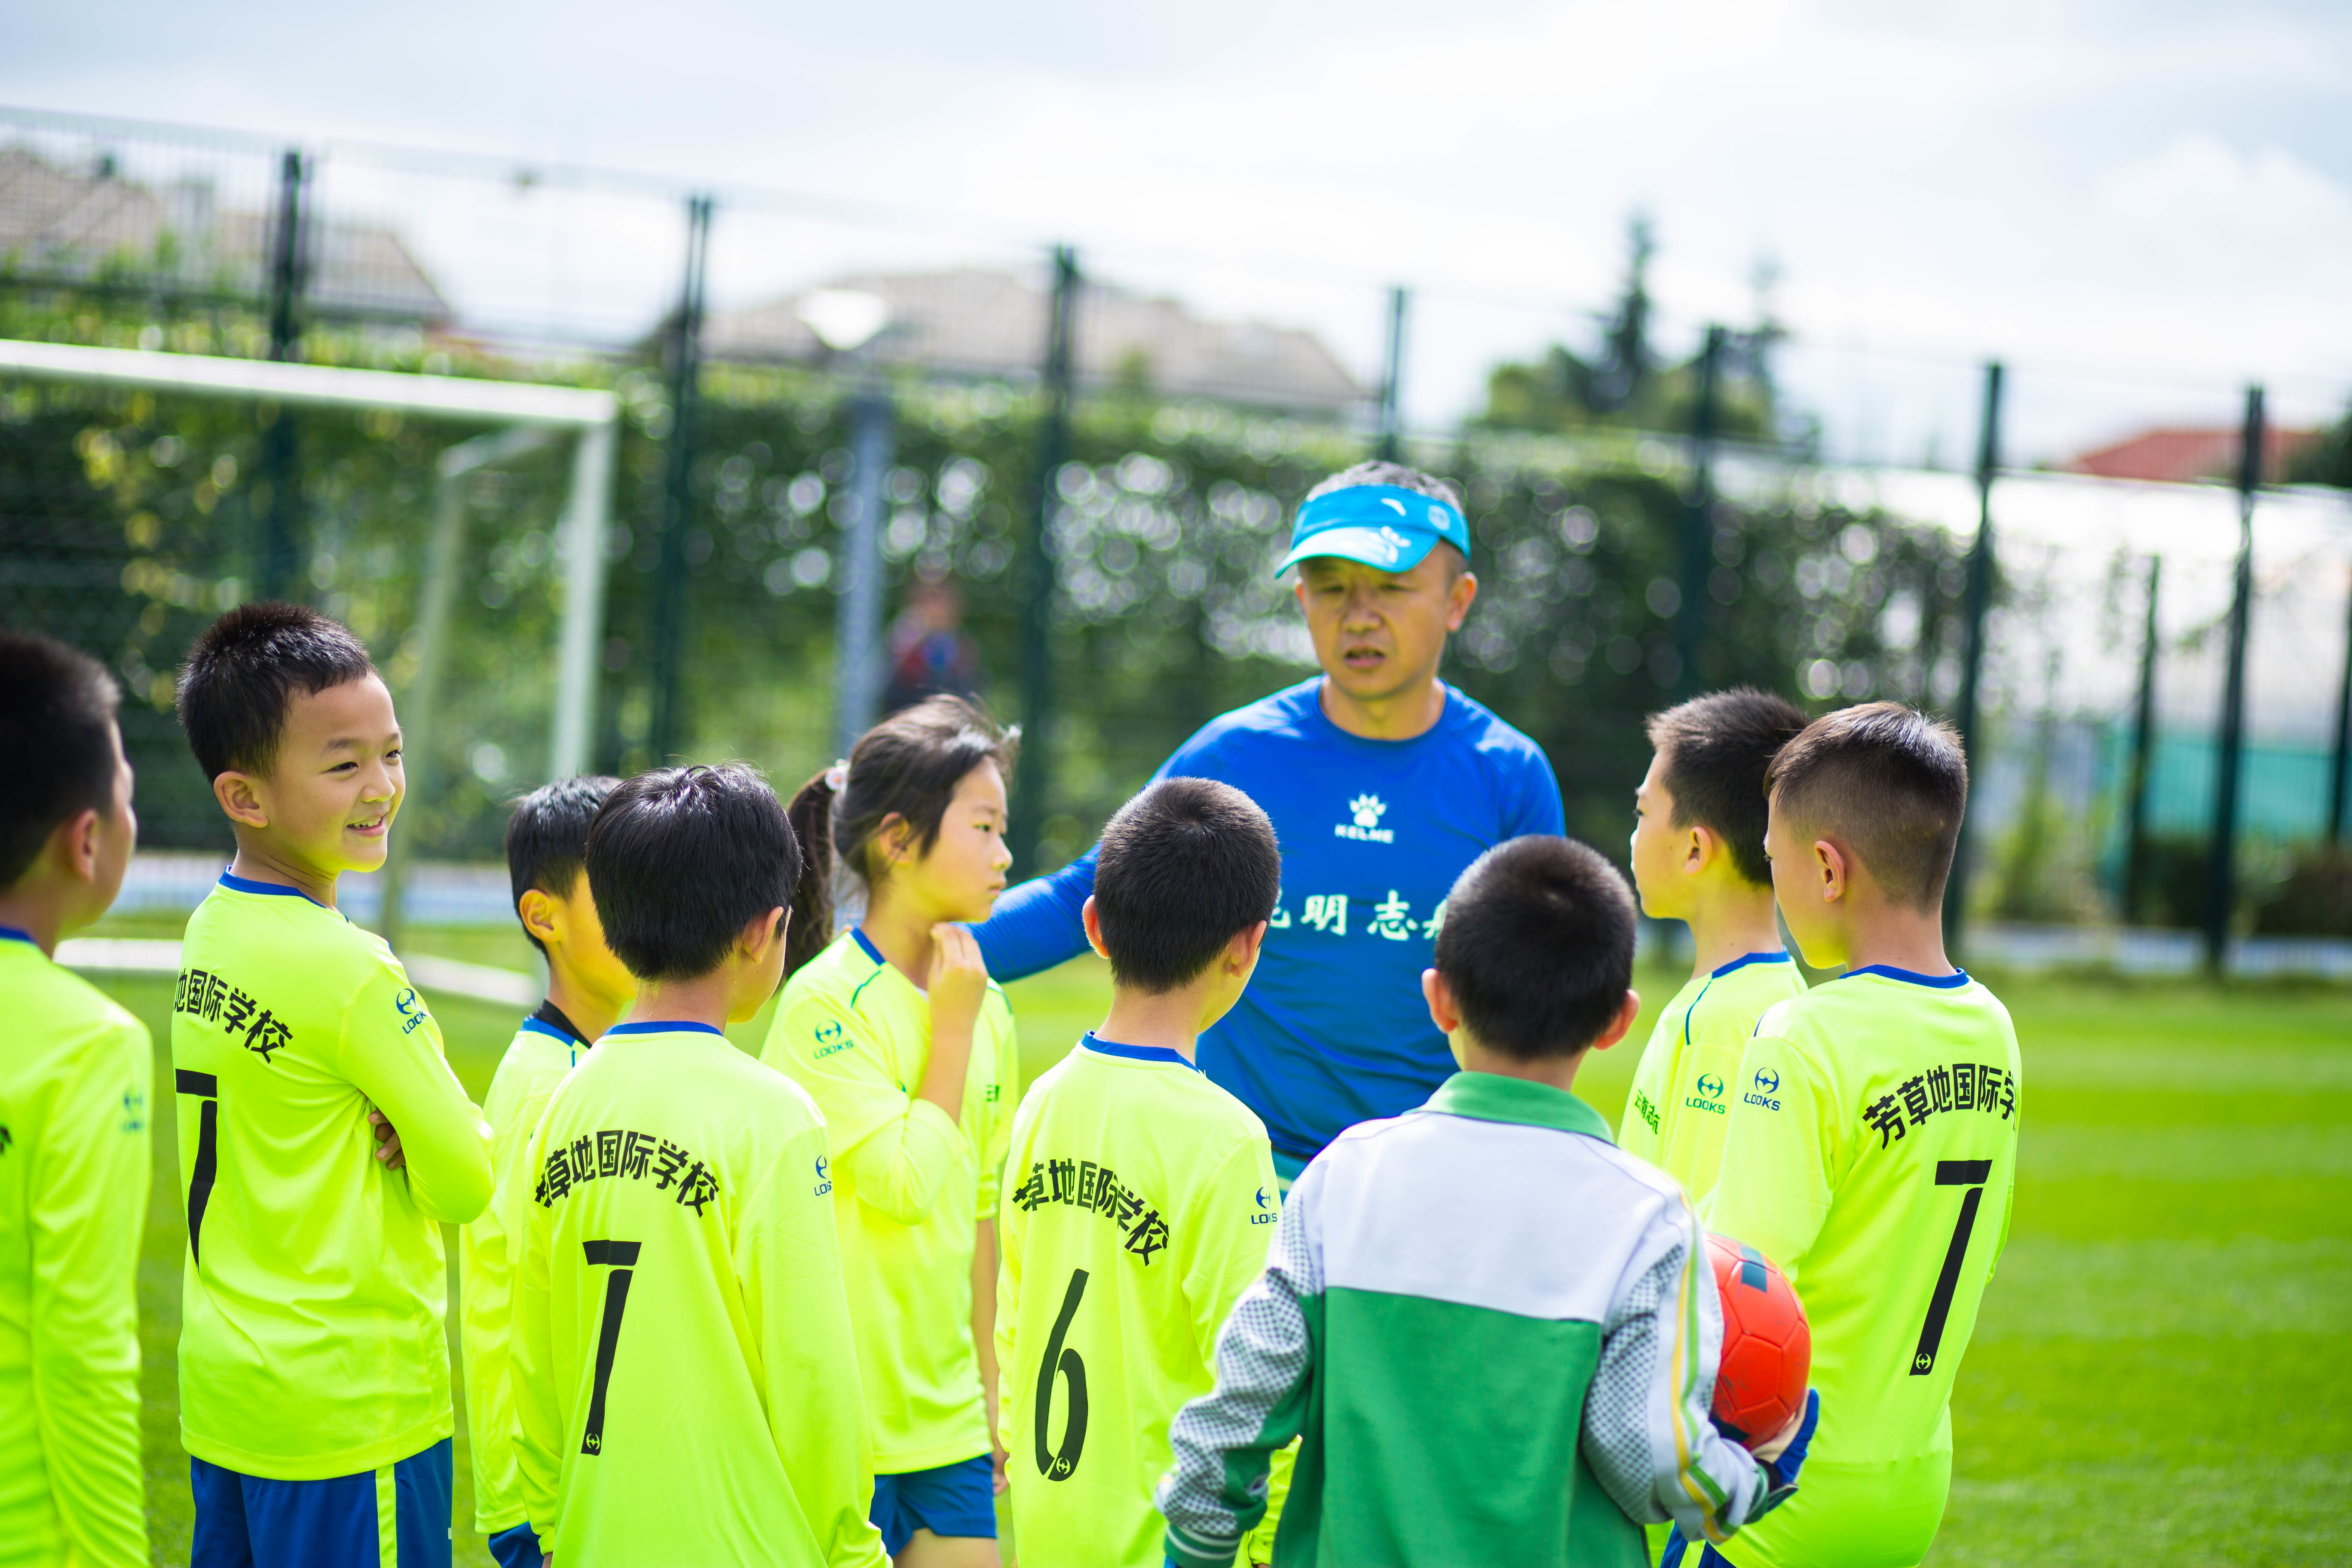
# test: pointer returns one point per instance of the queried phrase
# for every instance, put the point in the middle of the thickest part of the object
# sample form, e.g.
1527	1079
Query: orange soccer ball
1767	1349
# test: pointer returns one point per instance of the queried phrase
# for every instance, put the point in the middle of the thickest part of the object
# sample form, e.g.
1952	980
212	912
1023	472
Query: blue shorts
946	1499
517	1548
397	1517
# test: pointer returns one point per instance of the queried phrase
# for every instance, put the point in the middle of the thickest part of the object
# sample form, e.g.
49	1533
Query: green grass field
2163	1369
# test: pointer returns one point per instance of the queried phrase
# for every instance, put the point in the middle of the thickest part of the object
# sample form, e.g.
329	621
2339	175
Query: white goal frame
554	411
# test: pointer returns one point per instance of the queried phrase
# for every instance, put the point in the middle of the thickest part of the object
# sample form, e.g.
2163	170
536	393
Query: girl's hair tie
836	778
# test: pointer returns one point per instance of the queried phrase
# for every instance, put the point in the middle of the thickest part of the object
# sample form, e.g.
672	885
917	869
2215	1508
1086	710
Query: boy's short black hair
681	859
56	729
1716	748
1538	946
1890	780
1183	867
547	838
243	670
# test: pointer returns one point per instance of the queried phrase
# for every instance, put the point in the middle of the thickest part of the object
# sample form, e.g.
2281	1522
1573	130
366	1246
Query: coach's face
1379	634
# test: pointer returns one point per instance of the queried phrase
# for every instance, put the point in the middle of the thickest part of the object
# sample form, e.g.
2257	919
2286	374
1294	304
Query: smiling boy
314	1363
1383	783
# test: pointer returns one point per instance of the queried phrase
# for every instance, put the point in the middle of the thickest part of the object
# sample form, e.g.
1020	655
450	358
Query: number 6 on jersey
1060	1464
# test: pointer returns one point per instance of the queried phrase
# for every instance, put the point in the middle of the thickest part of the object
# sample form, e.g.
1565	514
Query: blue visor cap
1379	525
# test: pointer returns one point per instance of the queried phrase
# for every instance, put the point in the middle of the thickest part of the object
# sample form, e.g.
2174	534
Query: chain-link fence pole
2339	773
1980	602
1392	432
857	617
2143	756
2221	864
278	557
669	721
1698	519
1034	780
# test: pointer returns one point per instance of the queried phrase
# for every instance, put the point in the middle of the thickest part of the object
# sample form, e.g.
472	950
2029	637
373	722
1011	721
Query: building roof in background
2186	454
976	323
70	223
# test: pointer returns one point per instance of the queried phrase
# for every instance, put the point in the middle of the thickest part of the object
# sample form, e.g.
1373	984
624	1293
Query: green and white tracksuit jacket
1498	1334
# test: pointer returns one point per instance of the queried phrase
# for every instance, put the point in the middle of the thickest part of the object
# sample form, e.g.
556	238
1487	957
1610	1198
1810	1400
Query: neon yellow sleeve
88	1200
395	1057
1226	1247
1011	1225
1775	1187
493	1243
539	1434
789	1261
1004	1094
897	1147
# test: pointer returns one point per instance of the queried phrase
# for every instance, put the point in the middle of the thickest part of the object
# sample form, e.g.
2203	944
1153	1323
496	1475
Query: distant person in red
930	654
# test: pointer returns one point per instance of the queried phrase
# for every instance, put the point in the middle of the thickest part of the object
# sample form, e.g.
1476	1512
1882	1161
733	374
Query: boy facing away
1872	1149
587	990
314	1360
1496	1330
73	1128
1698	858
1140	1196
684	1368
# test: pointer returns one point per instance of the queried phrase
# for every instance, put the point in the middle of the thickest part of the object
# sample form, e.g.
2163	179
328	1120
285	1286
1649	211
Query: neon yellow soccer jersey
1683	1089
1140	1202
73	1196
312	1336
1872	1154
683	1366
541	1054
909	1185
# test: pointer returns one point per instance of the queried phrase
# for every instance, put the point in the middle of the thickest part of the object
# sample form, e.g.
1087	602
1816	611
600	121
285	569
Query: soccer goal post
531	417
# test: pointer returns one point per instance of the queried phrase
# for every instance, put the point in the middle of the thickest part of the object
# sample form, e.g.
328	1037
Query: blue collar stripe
541	1027
10	933
664	1027
1096	1043
276	889
863	941
1952	981
1744	959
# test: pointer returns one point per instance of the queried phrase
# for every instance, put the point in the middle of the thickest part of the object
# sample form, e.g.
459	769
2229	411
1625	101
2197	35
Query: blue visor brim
1389	549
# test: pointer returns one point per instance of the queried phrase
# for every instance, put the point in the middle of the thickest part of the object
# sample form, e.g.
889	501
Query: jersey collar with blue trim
1952	981
1101	1046
1744	959
665	1026
236	884
12	933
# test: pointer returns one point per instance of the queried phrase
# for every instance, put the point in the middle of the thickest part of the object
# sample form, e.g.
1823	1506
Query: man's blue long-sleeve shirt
1332	1030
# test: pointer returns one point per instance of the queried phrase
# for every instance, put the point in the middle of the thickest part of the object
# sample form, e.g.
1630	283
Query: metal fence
1059	480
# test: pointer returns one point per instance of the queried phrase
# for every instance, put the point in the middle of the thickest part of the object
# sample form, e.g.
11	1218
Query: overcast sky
2141	206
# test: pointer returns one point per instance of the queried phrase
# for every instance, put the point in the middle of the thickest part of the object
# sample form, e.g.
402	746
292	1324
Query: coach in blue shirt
1383	783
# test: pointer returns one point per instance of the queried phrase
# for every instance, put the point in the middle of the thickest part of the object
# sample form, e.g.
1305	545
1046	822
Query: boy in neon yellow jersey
587	992
73	1128
683	1363
896	1032
1143	1196
1698	858
314	1361
1873	1151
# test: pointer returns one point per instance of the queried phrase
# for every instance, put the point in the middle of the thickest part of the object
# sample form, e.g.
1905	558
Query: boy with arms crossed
683	1363
1141	1194
1698	858
587	990
314	1358
1872	1149
73	1128
1496	1330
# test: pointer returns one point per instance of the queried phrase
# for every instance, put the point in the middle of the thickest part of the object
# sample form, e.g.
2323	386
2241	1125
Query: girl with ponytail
895	1031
